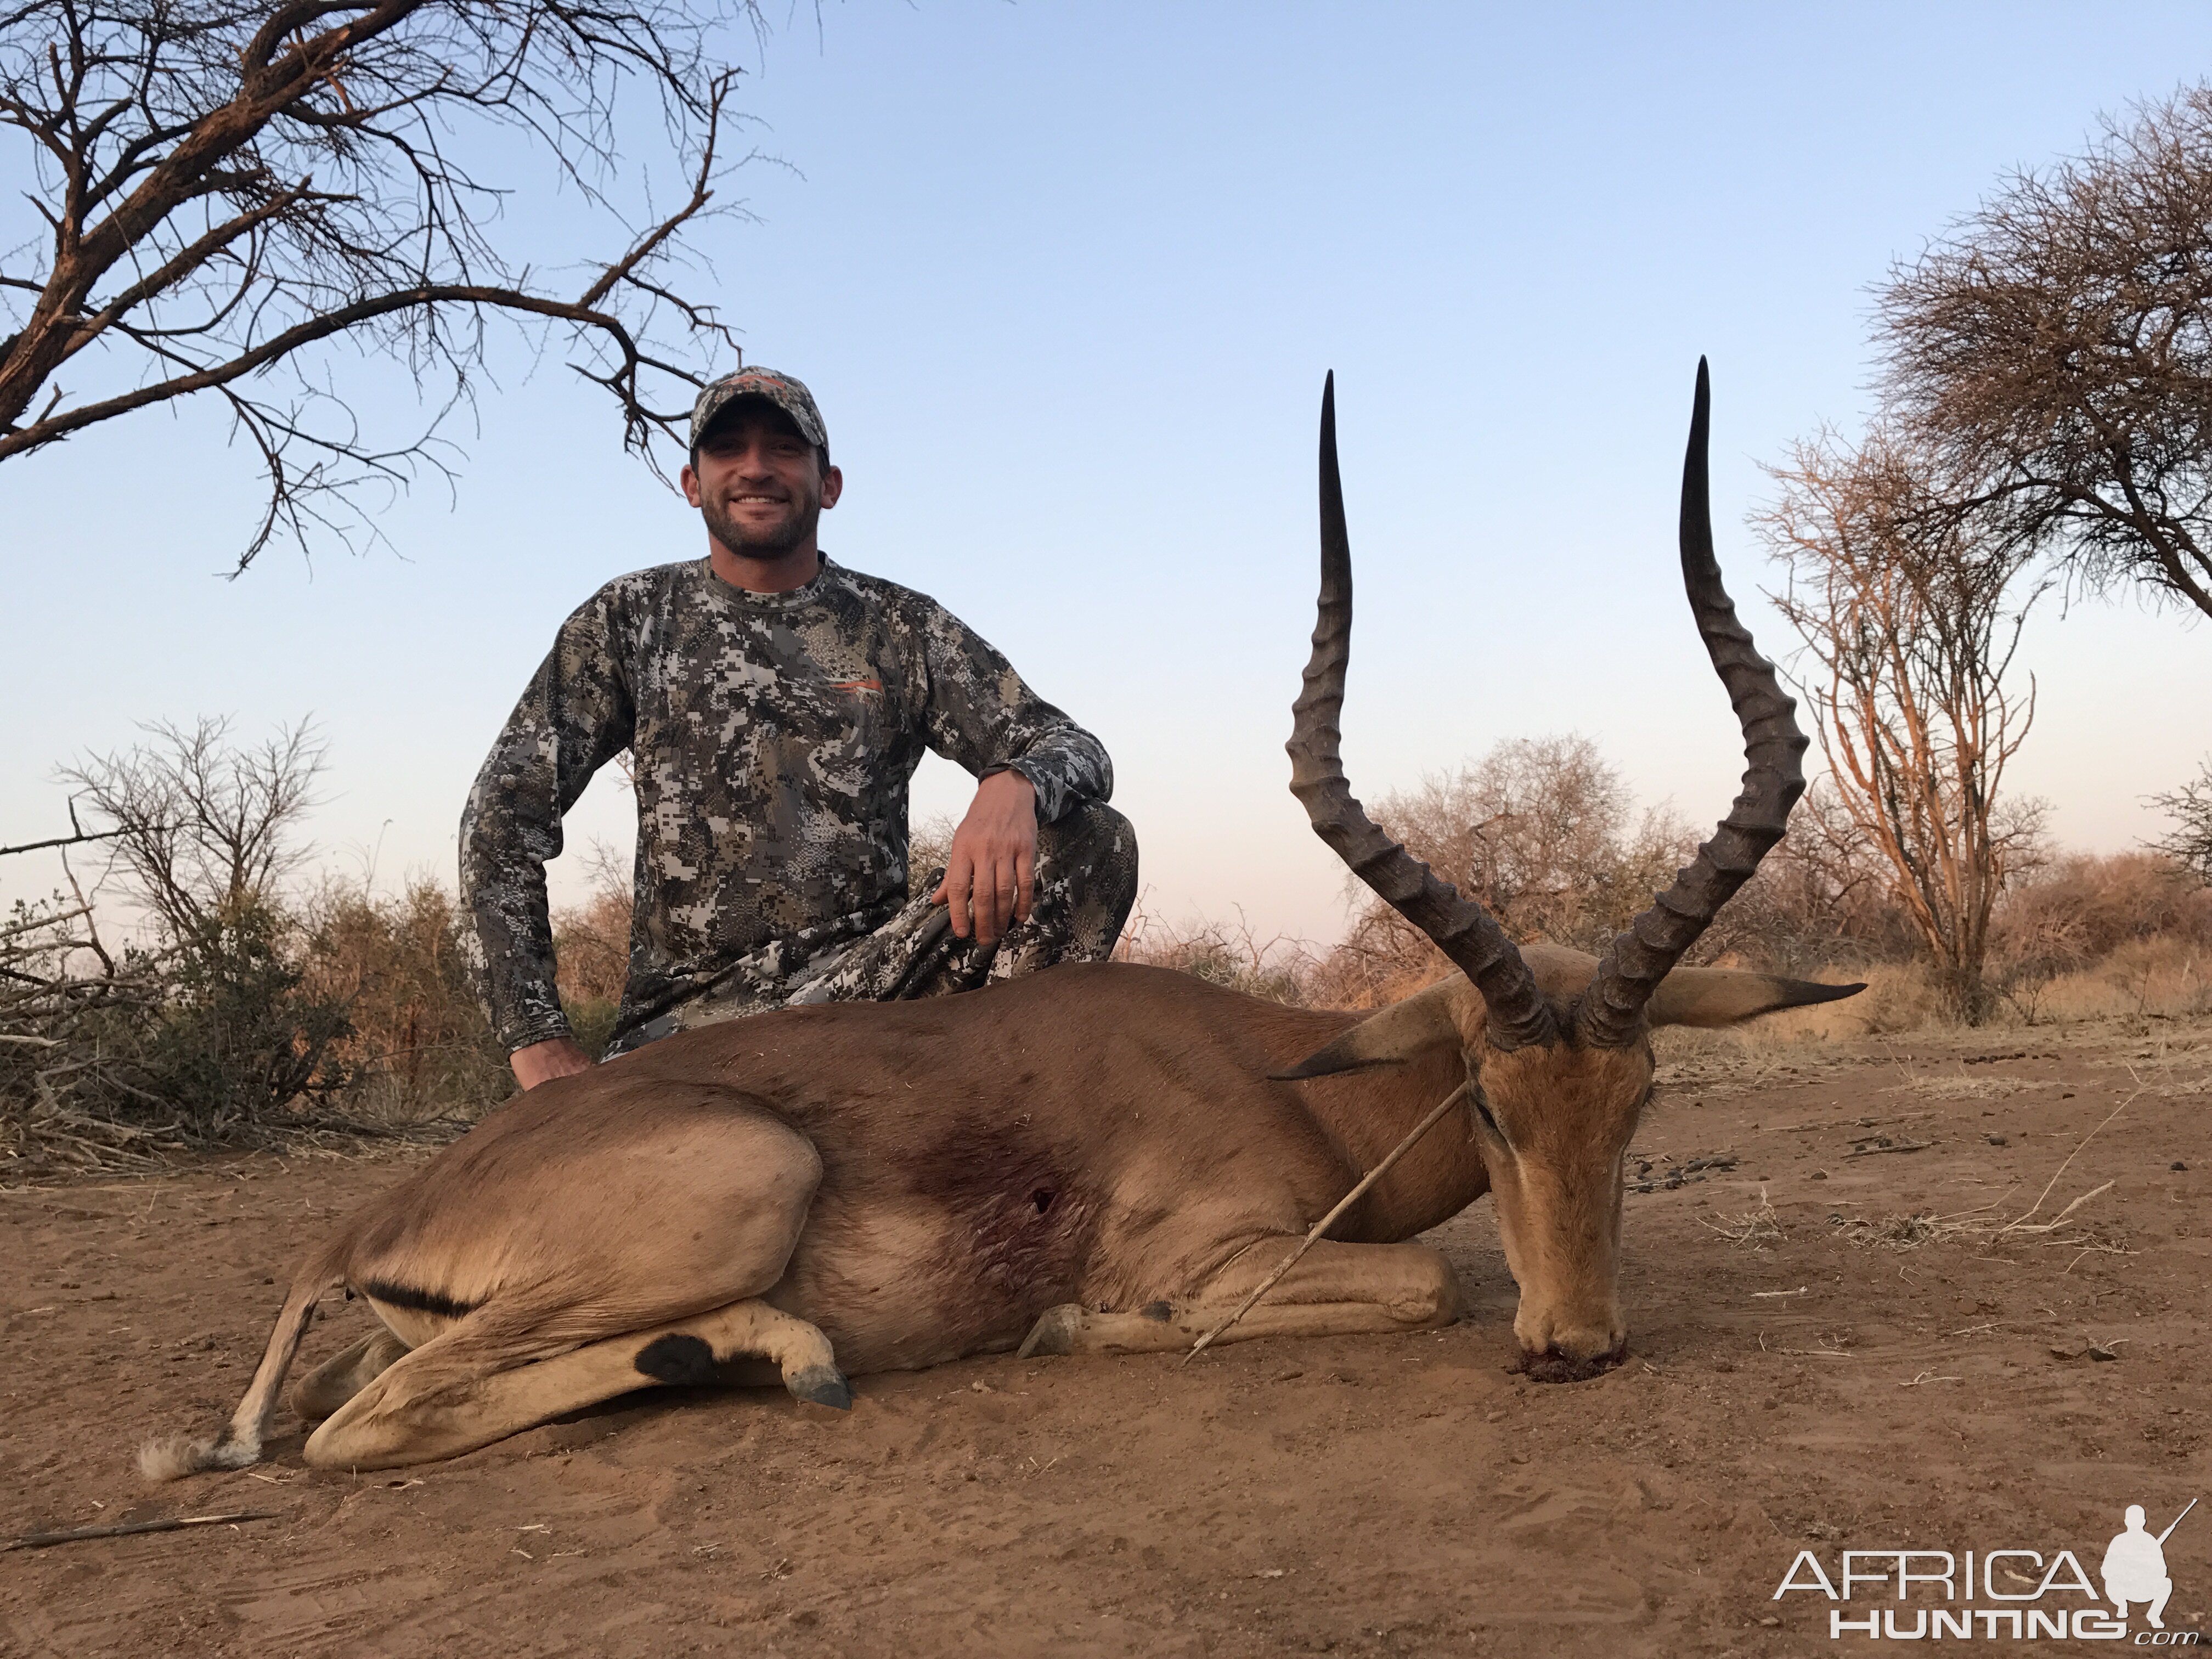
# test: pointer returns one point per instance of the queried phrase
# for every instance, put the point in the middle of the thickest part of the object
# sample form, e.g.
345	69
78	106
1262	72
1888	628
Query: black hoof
822	1385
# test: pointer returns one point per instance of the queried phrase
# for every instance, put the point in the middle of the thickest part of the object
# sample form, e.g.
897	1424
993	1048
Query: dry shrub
591	950
1817	901
420	1046
2079	909
1280	969
1541	832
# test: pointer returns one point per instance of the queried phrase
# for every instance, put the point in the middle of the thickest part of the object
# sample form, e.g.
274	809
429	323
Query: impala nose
1568	1342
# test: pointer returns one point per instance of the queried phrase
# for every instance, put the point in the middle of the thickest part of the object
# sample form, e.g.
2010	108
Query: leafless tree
2056	349
228	188
2191	808
202	827
1911	614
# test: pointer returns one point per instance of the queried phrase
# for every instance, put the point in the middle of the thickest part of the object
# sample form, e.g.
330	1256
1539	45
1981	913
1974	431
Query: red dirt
1357	1495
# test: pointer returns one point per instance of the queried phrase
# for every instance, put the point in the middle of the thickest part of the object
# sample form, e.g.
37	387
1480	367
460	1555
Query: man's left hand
993	864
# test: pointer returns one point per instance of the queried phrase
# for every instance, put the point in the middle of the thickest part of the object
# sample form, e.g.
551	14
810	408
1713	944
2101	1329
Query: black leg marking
684	1361
419	1301
1159	1310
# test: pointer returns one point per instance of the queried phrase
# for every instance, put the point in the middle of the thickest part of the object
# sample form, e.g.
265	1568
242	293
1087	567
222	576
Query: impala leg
450	1396
1336	1290
344	1374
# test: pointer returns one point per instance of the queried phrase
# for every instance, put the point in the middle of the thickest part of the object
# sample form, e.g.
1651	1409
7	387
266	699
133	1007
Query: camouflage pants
1085	885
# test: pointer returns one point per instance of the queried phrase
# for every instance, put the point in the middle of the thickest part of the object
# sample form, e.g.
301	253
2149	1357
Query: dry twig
38	1540
1435	1116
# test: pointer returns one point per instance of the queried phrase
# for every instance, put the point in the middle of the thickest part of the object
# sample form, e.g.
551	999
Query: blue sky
1065	279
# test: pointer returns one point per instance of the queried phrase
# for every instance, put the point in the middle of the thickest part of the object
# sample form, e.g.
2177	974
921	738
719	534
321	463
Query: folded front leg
1335	1290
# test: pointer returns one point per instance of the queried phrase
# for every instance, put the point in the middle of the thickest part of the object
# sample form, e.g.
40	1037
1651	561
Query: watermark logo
2135	1567
2030	1596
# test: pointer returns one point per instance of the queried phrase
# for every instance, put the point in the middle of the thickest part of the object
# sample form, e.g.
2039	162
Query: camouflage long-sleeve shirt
775	735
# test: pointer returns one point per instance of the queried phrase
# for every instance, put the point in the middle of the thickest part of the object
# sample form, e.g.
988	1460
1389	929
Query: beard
786	537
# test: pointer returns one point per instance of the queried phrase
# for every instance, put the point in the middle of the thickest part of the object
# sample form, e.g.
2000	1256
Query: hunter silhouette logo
2134	1567
2025	1595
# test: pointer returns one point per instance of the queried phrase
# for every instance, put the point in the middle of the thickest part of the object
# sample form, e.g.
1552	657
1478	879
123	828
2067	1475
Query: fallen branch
1322	1225
2021	1218
38	1540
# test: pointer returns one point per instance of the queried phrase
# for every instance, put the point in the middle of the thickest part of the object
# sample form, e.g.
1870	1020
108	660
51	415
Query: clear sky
1065	278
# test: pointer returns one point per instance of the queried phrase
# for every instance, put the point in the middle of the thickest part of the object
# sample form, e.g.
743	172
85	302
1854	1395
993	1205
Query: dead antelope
1103	1158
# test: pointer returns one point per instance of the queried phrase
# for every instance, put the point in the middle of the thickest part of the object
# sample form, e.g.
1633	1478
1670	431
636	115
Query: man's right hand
541	1062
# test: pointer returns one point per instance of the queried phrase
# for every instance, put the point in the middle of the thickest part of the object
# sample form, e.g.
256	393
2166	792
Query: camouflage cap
786	394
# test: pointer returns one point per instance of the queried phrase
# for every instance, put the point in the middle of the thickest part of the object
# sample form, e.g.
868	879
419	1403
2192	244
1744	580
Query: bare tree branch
59	840
228	188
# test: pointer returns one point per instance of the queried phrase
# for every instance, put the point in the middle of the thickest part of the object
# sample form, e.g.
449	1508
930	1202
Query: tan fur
898	1185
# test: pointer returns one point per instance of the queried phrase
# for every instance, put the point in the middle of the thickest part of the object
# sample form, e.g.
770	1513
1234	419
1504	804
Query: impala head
1557	1044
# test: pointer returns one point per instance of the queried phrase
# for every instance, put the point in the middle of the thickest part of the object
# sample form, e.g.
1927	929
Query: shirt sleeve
982	715
576	715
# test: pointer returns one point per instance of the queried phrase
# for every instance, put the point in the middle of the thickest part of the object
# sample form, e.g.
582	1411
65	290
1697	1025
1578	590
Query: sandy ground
1822	1374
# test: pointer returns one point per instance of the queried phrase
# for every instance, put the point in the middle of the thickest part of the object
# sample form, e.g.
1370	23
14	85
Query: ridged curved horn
1611	1012
1518	1015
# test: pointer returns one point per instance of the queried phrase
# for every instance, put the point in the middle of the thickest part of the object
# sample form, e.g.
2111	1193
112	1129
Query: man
776	705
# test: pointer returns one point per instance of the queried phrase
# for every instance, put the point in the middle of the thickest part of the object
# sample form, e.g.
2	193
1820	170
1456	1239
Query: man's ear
688	481
1425	1021
833	486
1728	996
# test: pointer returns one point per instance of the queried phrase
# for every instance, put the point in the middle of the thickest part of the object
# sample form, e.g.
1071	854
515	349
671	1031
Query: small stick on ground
1322	1225
2022	1219
38	1540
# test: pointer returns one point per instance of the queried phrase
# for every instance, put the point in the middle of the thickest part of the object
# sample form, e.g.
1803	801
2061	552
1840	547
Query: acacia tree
228	188
2054	352
1910	618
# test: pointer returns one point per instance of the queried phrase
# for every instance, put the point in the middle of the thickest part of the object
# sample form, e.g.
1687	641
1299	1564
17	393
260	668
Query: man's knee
1092	839
1087	861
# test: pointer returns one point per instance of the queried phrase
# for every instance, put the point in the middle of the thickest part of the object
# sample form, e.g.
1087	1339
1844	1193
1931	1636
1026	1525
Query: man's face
758	484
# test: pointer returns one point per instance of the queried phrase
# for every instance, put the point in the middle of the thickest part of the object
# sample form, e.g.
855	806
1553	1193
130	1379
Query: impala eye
1482	1111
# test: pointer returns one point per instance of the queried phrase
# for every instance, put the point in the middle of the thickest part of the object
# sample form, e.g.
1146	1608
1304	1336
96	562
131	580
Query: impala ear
1727	996
1423	1022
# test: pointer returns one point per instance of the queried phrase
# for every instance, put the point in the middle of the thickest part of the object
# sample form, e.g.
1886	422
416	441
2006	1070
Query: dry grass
1985	1227
1985	1224
1756	1229
1947	1087
2143	979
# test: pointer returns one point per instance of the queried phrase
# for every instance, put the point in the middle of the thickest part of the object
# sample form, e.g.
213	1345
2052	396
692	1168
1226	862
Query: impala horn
1518	1015
1610	1014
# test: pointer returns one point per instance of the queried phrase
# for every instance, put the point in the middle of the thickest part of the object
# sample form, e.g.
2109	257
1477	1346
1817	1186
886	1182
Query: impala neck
1369	1113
